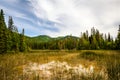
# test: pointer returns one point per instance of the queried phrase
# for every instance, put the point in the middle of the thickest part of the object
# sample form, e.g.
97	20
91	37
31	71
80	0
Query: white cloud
75	16
14	13
11	1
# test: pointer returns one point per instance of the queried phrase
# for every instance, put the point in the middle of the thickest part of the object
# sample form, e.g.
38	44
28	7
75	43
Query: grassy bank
11	65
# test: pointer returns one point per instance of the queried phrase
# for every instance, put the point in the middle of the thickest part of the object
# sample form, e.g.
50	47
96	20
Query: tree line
12	40
93	41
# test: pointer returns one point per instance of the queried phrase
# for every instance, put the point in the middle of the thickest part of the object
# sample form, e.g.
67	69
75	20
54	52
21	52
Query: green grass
11	65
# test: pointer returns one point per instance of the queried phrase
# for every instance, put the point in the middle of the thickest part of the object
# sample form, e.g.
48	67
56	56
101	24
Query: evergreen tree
117	42
94	43
22	42
13	41
109	42
93	31
10	34
109	37
101	42
70	43
93	39
3	34
10	24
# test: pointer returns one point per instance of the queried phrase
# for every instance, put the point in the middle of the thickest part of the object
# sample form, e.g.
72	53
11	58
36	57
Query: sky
63	17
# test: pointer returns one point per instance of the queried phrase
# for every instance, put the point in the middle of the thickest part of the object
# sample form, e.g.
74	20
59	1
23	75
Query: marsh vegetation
61	65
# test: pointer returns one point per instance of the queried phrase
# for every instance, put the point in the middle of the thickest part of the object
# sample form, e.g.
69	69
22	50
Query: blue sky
63	17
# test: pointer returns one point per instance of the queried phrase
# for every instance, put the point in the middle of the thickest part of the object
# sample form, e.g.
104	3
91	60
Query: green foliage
23	46
70	43
3	34
13	36
117	42
42	38
67	42
83	44
10	24
9	37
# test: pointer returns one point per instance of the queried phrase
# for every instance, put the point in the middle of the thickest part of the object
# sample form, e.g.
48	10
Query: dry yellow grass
11	65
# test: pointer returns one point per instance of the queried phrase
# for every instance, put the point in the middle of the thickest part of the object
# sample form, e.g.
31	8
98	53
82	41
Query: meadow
61	65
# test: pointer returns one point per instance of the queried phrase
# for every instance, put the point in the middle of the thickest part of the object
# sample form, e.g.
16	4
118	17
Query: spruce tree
10	33
22	42
13	40
109	37
93	39
117	42
3	34
10	23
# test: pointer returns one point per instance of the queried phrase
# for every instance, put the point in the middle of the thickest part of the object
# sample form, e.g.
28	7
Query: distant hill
40	38
45	38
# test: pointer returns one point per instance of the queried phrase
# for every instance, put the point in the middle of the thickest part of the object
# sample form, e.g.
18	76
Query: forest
12	40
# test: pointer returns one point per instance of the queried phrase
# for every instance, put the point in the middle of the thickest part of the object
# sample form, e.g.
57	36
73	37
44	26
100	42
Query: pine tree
3	34
10	23
13	41
22	42
10	34
93	39
109	37
117	42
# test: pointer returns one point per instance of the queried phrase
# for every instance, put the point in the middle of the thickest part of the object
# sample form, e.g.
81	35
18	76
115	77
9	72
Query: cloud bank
63	17
75	16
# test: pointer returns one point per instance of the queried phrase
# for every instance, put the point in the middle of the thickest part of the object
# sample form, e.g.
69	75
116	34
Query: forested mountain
45	38
47	42
11	40
41	38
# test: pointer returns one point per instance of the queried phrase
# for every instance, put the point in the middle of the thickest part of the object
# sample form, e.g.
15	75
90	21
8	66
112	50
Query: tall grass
11	65
107	59
113	67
